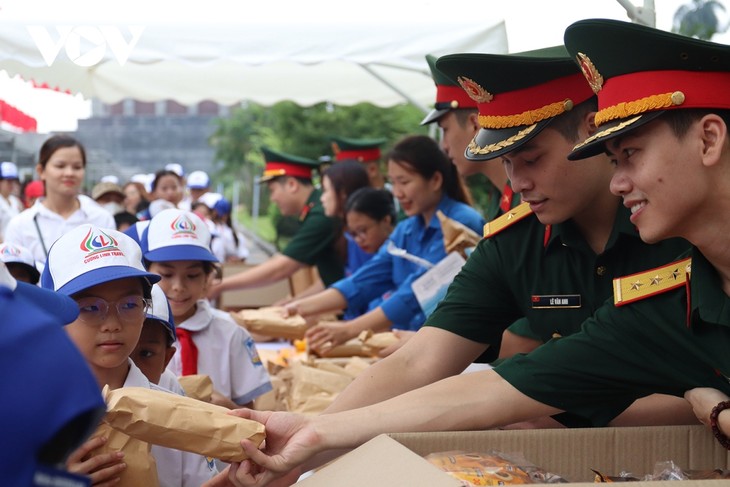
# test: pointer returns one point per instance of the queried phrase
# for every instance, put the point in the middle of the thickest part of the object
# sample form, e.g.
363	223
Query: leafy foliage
700	19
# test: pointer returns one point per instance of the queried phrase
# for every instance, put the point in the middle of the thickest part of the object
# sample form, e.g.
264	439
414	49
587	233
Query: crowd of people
598	292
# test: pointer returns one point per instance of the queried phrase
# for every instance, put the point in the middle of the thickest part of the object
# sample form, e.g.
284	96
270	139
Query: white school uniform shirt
226	352
169	381
7	211
175	468
230	248
21	229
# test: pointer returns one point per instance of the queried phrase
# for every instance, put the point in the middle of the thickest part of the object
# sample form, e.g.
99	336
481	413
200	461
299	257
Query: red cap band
287	169
573	87
449	93
635	93
362	155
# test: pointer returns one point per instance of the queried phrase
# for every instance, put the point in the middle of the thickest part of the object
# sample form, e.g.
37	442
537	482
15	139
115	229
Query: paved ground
260	249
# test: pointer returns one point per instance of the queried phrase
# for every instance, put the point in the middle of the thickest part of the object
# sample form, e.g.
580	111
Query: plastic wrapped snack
490	468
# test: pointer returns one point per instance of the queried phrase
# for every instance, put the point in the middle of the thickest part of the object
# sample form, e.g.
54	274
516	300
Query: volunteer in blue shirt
424	181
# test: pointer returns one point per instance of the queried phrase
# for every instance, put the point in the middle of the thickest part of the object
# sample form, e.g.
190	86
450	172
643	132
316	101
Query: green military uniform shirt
546	274
622	353
314	242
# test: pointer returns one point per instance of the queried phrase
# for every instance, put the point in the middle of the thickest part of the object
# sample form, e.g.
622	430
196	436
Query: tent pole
394	88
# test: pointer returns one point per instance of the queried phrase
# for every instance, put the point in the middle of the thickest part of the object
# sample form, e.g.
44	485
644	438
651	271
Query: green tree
304	131
700	19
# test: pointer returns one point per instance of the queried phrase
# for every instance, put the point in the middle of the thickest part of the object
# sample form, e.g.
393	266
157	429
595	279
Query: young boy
155	347
102	271
177	246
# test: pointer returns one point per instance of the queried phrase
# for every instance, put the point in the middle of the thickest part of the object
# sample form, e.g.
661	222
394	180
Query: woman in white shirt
61	166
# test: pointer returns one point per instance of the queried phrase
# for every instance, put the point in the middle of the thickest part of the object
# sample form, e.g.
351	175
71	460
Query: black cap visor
434	115
596	143
490	144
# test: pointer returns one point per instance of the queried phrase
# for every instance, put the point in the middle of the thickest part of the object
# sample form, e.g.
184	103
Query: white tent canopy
283	50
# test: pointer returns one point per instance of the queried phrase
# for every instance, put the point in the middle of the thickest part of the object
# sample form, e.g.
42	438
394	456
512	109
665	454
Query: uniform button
601	270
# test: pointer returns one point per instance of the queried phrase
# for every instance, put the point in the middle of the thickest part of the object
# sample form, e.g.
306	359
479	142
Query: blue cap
135	231
42	367
222	207
175	234
161	311
88	256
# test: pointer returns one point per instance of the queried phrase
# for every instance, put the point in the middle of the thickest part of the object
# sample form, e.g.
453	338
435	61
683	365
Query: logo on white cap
15	253
176	234
89	255
98	244
183	227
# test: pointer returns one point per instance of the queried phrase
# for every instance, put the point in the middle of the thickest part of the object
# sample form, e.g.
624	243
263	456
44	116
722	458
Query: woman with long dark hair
424	181
62	167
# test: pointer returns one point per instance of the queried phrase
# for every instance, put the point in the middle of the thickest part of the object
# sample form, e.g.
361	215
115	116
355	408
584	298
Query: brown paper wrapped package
270	321
141	466
197	386
179	422
457	236
367	344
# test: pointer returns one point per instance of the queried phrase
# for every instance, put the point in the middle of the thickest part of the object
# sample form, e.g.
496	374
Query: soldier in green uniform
289	179
457	116
365	151
548	263
665	125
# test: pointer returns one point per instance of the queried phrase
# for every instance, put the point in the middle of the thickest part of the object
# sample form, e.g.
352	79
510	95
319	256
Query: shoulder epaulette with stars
509	218
628	289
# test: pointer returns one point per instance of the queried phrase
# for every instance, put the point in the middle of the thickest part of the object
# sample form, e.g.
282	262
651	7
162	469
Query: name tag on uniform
555	301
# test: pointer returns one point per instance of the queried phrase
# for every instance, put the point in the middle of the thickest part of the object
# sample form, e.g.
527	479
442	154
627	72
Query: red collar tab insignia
548	233
305	211
474	90
590	72
507	195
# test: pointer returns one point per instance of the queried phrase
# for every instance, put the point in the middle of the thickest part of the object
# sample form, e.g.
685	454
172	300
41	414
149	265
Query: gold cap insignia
590	72
475	92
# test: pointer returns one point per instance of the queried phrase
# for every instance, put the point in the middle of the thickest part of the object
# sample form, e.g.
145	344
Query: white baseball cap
176	168
17	254
109	178
198	180
89	255
160	310
8	170
176	234
210	199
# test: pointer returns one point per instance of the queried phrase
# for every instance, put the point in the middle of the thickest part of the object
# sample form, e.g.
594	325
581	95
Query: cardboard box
396	459
253	297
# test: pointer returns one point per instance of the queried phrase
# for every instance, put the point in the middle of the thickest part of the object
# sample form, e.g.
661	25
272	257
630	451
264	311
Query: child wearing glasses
102	271
176	245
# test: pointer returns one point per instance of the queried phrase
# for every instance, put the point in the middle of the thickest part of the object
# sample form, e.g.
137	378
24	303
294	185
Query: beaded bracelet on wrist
721	437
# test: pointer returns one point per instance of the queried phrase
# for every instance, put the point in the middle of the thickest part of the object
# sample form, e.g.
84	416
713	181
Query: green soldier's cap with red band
641	73
517	95
361	150
449	95
280	164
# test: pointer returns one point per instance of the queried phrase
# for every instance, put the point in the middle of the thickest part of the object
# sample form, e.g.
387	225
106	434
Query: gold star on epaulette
632	288
511	217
